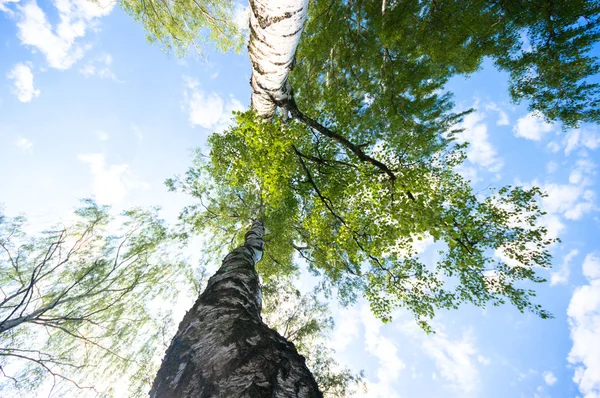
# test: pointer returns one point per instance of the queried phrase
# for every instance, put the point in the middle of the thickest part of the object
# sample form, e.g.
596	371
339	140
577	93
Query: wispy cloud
581	138
99	67
138	133
551	167
4	5
571	200
503	119
346	330
456	360
241	17
24	144
584	322
385	350
23	82
102	135
575	199
562	275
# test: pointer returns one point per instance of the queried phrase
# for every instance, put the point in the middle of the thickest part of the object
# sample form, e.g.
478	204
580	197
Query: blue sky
87	107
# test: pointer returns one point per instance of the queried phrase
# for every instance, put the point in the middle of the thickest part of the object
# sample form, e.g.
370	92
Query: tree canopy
354	190
399	55
359	229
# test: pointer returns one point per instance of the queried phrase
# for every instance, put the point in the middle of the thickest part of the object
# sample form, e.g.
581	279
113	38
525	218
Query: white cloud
208	110
4	3
23	78
483	360
591	266
531	127
347	325
578	138
455	360
24	144
241	17
561	197
480	150
549	378
110	183
386	352
553	225
551	167
138	133
571	201
468	173
562	275
99	67
59	43
584	322
575	199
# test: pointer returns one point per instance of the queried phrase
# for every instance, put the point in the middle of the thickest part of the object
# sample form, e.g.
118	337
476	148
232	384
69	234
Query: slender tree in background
224	349
75	304
305	321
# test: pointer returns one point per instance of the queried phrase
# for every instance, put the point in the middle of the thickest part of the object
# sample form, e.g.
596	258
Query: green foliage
359	228
400	57
354	194
305	321
81	303
181	24
230	188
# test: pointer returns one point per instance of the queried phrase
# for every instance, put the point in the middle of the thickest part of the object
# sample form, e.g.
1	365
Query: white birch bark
223	349
275	29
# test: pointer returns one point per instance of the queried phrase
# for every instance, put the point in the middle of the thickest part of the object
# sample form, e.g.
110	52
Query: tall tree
224	349
76	302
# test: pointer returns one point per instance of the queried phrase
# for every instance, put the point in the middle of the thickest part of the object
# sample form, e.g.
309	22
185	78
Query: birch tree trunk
224	349
275	29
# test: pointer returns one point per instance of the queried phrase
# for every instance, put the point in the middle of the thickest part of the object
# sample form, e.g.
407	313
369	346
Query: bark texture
223	348
275	29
